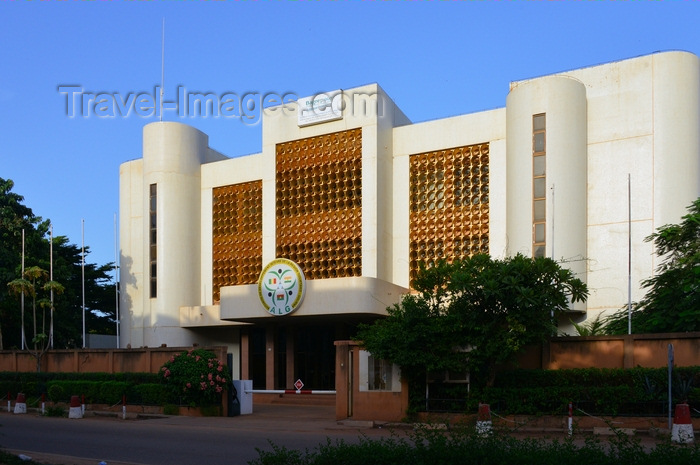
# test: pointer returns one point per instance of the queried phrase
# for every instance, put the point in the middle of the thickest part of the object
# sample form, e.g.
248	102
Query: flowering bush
196	376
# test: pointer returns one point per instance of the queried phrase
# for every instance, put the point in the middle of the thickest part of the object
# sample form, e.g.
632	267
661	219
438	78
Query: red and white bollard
124	407
21	404
682	432
43	404
9	401
75	411
484	426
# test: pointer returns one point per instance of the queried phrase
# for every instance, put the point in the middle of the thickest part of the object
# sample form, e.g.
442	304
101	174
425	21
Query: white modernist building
279	253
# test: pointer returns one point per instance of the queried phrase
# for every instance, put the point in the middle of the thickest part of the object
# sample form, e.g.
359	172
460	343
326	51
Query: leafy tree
32	284
472	314
501	306
672	301
99	295
15	218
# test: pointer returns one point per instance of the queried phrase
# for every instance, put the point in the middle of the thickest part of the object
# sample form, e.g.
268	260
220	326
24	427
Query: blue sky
434	58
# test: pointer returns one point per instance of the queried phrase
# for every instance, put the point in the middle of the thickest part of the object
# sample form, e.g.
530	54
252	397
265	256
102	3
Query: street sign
298	384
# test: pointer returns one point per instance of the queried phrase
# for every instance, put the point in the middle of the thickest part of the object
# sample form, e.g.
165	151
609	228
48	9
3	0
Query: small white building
355	194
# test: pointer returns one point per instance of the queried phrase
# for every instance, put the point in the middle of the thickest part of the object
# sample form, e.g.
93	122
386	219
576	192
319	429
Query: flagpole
24	342
83	277
51	279
162	69
629	255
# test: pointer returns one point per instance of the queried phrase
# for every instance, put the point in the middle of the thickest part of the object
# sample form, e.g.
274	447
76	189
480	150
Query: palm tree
28	285
594	327
21	287
34	273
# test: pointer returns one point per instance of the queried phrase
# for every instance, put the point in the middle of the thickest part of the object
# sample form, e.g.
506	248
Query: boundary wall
626	351
142	360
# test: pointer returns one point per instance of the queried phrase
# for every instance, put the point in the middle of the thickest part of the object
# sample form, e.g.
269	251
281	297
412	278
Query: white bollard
484	426
682	432
75	410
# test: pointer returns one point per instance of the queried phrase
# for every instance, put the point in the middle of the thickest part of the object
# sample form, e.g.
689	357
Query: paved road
174	440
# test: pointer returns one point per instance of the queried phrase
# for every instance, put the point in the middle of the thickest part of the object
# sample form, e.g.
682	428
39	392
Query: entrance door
314	358
351	371
256	360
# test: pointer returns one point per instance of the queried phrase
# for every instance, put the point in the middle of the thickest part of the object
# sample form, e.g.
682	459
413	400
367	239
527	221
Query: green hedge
465	447
98	388
599	391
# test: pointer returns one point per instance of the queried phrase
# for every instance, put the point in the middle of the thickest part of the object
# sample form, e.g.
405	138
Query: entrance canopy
341	297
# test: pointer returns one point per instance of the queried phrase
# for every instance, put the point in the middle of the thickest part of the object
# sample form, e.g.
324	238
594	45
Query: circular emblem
281	286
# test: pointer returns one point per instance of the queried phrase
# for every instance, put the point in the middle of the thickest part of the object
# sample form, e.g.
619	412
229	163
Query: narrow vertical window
153	254
539	185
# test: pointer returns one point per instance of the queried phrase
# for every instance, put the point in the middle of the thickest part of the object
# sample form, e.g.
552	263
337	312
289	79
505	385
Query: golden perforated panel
236	235
319	204
449	205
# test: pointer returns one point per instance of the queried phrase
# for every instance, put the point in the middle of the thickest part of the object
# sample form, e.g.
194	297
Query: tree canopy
15	217
473	314
672	301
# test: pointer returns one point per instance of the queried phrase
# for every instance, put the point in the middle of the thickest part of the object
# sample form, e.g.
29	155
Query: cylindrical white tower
676	135
172	157
558	136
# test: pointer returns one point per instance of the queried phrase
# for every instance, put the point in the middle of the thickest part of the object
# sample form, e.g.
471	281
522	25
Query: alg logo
281	287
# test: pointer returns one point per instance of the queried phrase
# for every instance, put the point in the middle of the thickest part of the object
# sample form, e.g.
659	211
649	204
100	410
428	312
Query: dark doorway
256	361
314	357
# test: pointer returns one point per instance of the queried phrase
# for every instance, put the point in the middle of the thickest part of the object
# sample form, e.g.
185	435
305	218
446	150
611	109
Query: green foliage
196	376
150	394
463	446
501	306
15	217
472	314
99	388
111	392
595	327
637	391
55	411
412	336
89	389
57	393
672	301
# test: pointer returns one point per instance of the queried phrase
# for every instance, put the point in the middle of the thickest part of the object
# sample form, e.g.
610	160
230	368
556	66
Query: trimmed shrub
465	447
152	394
595	390
56	393
112	392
